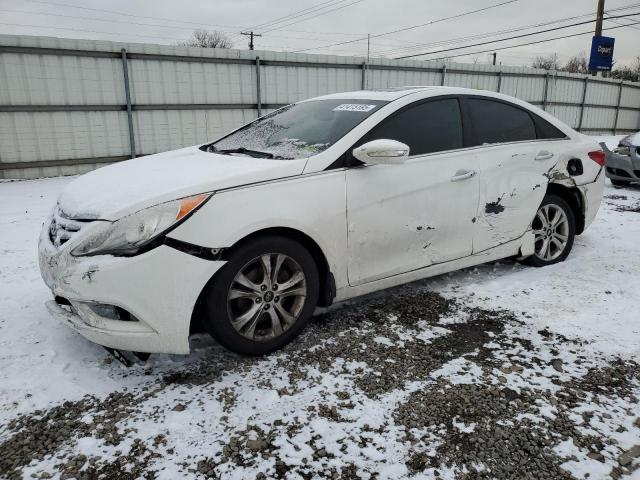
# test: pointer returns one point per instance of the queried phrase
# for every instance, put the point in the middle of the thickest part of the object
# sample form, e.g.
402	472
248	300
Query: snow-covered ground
500	371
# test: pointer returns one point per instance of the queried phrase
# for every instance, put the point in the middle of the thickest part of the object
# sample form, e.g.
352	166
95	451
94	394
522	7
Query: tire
553	234
620	183
241	315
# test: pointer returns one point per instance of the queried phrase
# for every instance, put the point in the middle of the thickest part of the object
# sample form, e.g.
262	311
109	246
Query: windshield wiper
246	151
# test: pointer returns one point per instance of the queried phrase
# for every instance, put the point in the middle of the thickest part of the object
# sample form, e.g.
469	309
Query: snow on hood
632	140
110	192
610	141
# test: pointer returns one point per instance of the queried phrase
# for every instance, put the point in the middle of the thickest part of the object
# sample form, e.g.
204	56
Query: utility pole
368	56
368	46
250	35
599	16
494	57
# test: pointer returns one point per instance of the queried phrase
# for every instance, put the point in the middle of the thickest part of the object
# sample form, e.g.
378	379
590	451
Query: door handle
463	175
544	155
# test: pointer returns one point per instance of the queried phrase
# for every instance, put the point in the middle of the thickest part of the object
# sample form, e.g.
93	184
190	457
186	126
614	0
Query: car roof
394	93
418	92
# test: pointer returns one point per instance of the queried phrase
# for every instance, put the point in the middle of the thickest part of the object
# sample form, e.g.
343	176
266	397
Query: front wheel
554	227
263	296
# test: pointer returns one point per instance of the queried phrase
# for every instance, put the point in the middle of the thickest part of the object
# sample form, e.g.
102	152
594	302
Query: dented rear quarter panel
514	179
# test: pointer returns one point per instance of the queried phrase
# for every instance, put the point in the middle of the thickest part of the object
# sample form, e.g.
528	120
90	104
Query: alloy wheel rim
551	230
266	296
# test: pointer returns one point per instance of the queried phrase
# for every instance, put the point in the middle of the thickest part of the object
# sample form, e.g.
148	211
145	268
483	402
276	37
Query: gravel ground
438	387
423	381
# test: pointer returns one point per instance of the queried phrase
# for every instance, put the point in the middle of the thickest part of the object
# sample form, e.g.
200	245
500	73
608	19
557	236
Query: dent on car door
409	216
511	163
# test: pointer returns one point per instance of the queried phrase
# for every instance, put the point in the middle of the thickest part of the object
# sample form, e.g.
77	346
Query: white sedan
317	202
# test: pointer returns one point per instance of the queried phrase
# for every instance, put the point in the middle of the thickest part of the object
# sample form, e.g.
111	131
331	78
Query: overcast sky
335	21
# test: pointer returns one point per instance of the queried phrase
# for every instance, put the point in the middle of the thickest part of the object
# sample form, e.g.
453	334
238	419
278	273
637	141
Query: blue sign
601	58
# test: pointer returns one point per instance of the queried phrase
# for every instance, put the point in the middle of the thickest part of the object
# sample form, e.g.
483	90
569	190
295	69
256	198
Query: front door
409	216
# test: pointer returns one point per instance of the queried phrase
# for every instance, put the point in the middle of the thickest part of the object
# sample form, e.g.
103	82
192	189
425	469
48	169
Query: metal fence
68	106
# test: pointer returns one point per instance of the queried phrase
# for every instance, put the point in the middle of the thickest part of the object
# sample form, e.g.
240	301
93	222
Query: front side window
299	130
432	126
497	122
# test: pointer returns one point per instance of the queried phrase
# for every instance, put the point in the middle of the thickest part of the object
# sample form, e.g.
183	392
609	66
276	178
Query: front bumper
158	289
622	167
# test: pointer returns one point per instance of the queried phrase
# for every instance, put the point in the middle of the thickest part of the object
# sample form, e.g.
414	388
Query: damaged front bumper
142	303
624	168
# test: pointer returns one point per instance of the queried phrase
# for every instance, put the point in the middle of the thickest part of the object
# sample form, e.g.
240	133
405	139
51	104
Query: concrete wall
64	106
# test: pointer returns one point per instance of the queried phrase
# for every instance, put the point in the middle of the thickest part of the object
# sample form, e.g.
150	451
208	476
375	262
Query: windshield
299	130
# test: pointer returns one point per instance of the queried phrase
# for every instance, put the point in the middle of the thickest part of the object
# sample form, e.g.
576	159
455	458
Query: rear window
545	130
497	122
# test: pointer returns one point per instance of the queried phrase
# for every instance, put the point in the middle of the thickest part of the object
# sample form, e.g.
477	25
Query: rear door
409	216
511	163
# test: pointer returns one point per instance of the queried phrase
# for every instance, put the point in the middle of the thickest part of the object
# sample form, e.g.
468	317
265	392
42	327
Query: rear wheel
620	183
263	296
554	227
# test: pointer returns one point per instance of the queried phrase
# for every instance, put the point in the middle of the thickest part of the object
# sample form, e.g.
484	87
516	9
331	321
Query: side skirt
521	247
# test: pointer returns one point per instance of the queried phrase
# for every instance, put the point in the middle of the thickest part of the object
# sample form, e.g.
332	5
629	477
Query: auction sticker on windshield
354	107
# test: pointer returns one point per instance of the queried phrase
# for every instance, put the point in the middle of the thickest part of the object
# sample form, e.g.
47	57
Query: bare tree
628	72
208	39
550	62
577	64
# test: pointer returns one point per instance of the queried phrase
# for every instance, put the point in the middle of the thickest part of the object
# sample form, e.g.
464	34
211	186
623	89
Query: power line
125	22
79	17
113	12
296	14
511	38
412	26
275	36
624	24
320	9
100	19
589	32
314	16
120	34
416	46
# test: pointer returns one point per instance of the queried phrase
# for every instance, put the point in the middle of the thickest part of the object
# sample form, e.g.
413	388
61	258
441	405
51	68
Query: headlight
622	150
128	234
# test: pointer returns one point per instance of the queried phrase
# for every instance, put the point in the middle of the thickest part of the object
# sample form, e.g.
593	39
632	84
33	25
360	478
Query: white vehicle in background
317	202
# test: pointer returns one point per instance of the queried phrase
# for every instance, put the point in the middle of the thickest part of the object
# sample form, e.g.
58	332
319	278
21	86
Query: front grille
62	229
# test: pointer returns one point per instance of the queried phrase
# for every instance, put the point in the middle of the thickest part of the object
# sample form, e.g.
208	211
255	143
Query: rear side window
428	127
545	130
497	122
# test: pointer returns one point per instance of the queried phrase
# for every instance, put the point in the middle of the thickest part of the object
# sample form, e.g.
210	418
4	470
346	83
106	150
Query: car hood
632	140
111	192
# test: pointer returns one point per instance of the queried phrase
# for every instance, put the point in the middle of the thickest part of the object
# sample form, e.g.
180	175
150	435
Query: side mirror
382	152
